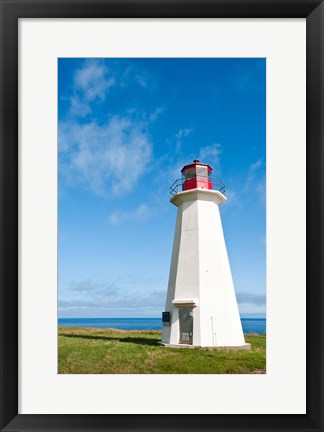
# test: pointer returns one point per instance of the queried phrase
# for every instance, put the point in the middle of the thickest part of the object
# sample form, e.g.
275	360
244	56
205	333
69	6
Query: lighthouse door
186	325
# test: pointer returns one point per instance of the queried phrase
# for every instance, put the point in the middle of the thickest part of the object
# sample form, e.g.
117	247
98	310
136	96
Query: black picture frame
11	11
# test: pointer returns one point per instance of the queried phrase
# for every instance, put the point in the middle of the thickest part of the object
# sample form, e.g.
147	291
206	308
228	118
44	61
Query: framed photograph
161	215
126	126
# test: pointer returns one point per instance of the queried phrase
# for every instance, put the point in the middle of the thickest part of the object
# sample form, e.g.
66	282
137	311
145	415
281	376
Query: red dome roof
196	162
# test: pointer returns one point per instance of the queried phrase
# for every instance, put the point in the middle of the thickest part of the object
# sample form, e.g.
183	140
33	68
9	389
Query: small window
190	173
202	171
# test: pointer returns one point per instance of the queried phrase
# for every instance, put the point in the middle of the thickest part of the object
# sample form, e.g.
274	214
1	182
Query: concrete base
246	346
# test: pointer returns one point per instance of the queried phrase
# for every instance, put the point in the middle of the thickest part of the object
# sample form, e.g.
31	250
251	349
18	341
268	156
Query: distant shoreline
250	325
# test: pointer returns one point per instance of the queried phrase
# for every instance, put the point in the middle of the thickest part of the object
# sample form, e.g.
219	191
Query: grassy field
111	351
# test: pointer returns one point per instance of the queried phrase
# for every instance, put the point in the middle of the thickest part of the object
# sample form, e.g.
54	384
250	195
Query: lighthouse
201	308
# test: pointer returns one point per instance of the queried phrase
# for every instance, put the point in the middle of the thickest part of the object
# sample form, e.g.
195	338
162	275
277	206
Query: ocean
250	325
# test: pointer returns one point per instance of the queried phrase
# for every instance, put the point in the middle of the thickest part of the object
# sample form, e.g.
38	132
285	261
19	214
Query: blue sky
126	128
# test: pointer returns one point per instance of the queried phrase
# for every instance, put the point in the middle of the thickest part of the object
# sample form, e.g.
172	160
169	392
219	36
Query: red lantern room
196	175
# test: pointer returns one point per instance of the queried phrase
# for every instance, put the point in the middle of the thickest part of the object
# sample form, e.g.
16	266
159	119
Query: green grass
112	351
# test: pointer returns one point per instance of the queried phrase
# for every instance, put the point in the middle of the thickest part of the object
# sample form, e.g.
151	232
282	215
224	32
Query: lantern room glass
202	171
190	173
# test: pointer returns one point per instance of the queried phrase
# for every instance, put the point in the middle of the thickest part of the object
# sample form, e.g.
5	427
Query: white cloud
251	298
232	198
155	114
211	155
123	301
252	172
91	83
182	133
108	159
78	107
140	214
131	294
93	287
142	79
93	80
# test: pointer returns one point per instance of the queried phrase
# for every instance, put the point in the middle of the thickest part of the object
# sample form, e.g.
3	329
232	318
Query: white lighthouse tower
201	308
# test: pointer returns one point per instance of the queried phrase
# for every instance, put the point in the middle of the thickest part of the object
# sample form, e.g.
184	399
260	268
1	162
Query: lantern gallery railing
213	183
